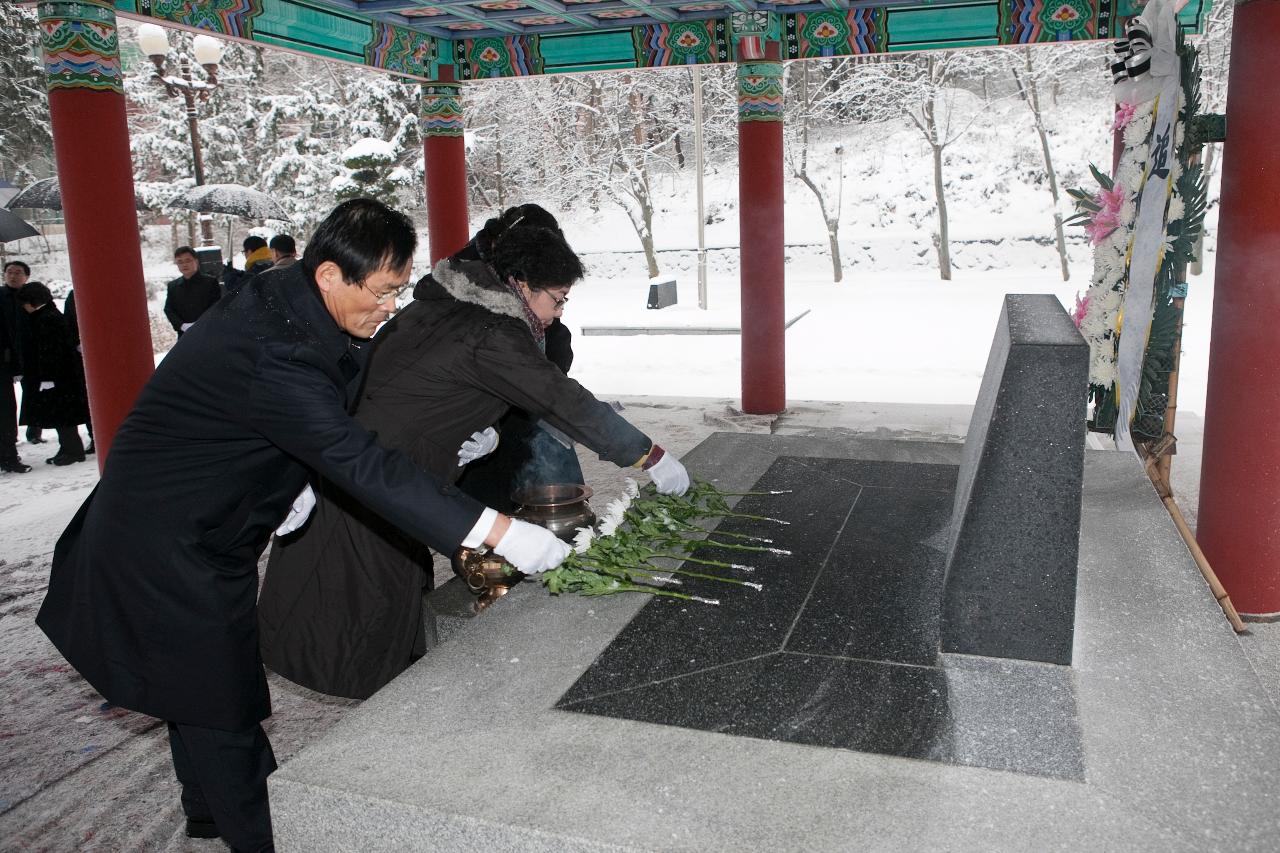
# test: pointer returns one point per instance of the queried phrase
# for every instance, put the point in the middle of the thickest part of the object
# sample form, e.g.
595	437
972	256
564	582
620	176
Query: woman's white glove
480	444
669	476
299	512
46	386
530	548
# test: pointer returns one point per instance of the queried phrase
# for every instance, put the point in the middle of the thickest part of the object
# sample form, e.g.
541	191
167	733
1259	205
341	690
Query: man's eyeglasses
390	295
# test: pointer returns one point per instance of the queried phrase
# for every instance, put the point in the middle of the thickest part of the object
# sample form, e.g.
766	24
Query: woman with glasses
531	452
341	606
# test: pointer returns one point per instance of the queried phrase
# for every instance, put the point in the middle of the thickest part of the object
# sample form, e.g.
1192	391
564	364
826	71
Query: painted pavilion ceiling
508	38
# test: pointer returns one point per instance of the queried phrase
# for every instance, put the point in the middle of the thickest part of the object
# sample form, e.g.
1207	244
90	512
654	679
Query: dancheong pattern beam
514	38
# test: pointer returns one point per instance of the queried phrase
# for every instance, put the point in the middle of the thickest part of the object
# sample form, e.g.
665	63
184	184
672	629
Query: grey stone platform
465	751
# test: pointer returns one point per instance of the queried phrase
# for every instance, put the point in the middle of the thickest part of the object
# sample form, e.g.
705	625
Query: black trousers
8	420
69	441
224	778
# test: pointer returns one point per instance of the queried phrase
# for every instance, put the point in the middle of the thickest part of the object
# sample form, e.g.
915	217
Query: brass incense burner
560	507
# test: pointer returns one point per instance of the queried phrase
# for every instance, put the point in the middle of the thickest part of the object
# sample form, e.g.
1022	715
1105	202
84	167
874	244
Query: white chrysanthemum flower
582	539
1177	208
609	526
616	509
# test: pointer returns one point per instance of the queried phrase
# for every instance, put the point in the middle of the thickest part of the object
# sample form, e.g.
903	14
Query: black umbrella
45	194
232	199
14	227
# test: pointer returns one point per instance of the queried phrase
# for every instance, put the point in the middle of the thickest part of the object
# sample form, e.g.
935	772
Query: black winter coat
153	588
189	298
341	605
50	356
13	328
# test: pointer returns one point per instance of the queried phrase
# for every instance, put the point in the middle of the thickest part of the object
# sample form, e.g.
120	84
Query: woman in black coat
53	391
529	454
341	605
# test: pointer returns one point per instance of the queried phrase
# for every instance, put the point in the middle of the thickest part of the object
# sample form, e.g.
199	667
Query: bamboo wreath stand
1157	458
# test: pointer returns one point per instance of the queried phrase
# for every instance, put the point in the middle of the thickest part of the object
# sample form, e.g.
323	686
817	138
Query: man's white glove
186	326
299	512
669	476
530	548
46	386
480	444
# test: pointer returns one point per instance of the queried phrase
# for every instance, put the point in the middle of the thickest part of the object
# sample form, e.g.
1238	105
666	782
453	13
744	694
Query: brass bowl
560	507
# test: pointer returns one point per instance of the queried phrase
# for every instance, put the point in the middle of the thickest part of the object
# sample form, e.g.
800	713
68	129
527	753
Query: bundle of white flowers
619	554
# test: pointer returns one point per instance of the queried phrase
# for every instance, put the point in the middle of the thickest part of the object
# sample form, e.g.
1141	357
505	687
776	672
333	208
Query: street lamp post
208	53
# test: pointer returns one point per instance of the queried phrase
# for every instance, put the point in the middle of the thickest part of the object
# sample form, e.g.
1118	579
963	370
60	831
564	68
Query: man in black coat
190	294
154	582
13	324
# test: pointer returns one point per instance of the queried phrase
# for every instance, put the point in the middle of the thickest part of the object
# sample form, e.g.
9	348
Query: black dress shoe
88	451
197	828
32	439
59	459
14	466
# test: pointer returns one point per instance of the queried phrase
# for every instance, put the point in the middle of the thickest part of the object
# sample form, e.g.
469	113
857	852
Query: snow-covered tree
925	90
26	143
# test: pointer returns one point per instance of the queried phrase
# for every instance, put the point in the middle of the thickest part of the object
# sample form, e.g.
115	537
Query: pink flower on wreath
1107	218
1082	306
1123	116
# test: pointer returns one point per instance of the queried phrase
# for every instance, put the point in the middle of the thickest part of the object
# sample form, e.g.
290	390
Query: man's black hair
284	244
253	243
539	257
34	293
361	236
25	269
185	250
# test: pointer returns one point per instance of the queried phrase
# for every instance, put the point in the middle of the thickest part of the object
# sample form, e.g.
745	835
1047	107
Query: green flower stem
722	579
619	570
712	543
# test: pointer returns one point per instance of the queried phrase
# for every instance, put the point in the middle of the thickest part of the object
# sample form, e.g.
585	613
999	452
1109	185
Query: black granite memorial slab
1010	584
840	648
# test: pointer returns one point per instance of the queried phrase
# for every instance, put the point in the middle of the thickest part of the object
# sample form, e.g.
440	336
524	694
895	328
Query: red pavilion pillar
1239	519
444	154
760	219
95	173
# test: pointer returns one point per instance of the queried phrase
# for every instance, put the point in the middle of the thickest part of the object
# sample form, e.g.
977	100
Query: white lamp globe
208	50
153	40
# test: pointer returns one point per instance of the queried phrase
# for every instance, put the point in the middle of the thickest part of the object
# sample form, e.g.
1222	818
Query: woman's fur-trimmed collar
476	283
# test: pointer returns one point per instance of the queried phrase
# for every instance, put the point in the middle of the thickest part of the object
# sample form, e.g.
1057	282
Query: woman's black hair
539	257
361	236
34	293
522	215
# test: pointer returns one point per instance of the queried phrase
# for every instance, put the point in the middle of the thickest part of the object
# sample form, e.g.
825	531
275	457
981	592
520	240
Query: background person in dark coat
257	258
191	294
153	587
73	323
53	392
341	605
13	324
284	251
